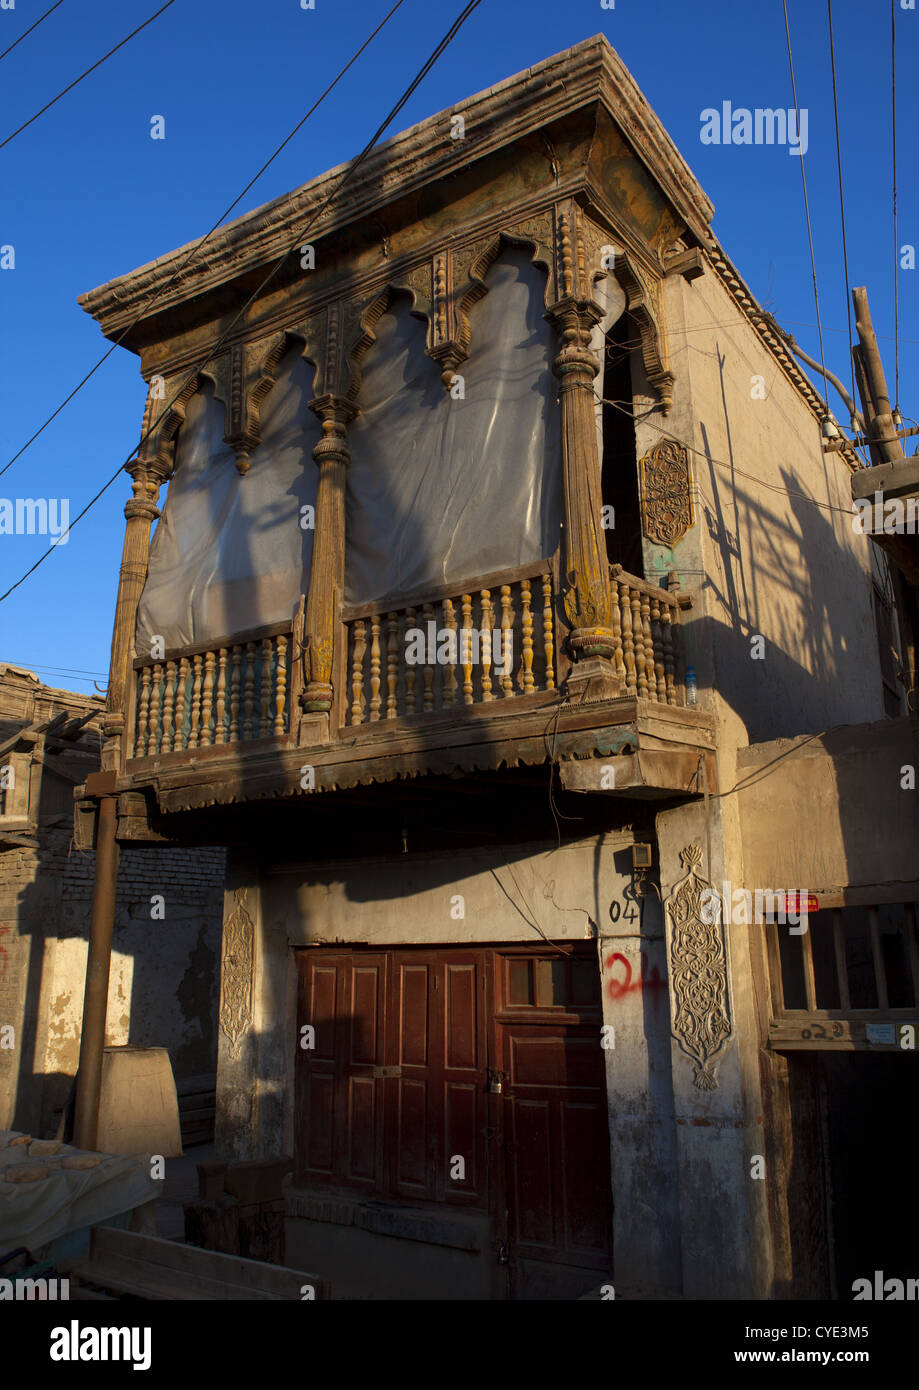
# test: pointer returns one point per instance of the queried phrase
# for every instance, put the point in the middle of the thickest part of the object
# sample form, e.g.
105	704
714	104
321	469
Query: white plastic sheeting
441	490
230	553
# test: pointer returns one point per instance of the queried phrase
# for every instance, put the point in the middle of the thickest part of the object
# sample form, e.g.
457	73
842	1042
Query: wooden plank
154	1255
775	967
880	974
807	960
644	587
912	946
282	629
842	969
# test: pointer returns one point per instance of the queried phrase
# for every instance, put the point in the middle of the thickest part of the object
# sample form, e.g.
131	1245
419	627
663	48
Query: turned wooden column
327	568
588	601
140	513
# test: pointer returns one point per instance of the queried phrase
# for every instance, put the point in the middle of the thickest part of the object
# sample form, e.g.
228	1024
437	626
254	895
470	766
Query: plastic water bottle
692	686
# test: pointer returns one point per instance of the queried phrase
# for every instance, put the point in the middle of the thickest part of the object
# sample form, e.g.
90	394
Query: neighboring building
163	985
471	978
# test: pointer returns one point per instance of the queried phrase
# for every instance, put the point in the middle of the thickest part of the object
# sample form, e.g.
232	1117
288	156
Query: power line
155	298
30	28
807	214
215	349
48	104
842	205
721	463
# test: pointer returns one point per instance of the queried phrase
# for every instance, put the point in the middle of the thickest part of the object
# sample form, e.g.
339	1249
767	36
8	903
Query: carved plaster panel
666	492
236	973
699	1007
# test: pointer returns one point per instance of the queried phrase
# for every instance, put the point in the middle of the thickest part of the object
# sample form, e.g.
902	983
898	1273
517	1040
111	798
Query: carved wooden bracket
244	377
699	1006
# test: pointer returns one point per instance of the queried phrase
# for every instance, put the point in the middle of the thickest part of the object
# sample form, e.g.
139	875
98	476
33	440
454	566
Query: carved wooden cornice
589	73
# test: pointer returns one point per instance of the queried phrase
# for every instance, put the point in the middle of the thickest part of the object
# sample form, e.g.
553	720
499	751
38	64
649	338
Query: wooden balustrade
491	642
202	697
647	656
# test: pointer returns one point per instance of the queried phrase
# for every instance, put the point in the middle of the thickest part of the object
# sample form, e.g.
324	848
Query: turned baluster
638	638
616	629
409	670
264	713
488	619
449	683
657	638
374	670
357	672
628	646
143	713
156	699
667	644
466	649
392	665
280	685
236	659
194	727
207	699
507	641
525	675
429	664
249	691
220	733
547	631
648	644
180	740
169	691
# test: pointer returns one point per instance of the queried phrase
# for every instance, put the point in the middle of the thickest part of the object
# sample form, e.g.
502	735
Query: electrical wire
28	31
215	348
807	215
48	104
842	205
721	463
154	298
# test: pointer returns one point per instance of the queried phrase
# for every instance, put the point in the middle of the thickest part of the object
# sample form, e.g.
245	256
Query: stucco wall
772	551
837	811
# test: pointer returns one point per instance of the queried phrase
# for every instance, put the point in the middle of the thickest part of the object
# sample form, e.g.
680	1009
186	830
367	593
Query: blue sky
86	194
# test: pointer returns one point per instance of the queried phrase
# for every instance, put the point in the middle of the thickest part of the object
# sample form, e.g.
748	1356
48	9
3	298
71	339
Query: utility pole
892	474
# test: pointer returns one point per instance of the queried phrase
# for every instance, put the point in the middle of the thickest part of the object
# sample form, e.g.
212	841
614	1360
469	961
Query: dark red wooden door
556	1129
470	1077
392	1098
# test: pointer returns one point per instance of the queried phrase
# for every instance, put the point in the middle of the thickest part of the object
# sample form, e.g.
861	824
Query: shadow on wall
819	665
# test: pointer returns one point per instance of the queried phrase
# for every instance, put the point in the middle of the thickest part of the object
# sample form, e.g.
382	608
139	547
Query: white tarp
441	490
230	553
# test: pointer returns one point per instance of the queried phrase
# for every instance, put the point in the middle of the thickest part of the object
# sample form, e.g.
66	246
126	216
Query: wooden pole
95	997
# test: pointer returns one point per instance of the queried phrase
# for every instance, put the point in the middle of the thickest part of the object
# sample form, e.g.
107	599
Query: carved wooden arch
359	335
246	376
640	307
157	453
482	256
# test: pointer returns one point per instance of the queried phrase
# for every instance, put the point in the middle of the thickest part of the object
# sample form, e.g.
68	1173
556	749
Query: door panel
468	1077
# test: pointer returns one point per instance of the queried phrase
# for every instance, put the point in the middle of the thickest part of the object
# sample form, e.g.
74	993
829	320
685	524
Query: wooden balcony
470	677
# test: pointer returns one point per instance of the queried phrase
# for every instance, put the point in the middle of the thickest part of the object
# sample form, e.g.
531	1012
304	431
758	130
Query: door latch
496	1080
386	1071
501	1248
